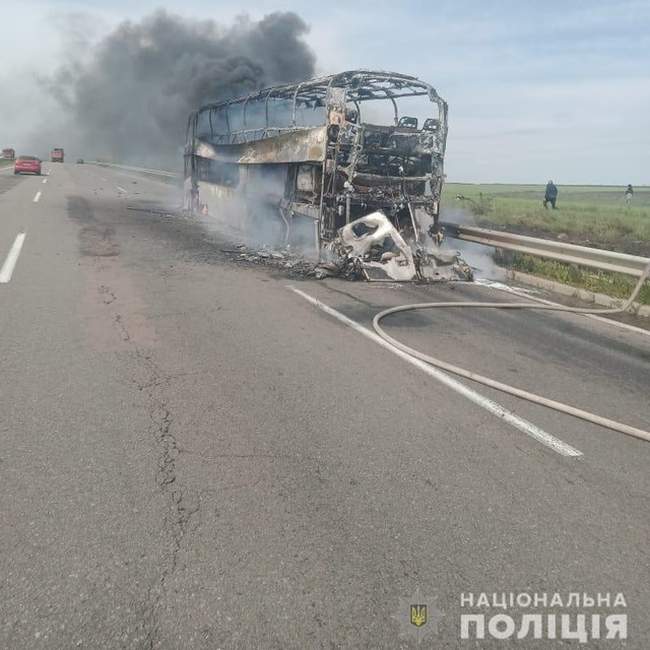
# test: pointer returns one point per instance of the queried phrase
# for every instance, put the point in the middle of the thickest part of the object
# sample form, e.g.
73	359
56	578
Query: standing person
629	193
550	195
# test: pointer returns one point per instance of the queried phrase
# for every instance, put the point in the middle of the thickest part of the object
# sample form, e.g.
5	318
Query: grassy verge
596	216
591	216
611	284
5	163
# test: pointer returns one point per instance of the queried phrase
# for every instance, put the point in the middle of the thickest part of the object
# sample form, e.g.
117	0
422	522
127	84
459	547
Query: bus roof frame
359	85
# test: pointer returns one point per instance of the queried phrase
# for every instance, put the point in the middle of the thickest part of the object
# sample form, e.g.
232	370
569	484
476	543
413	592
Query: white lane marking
516	421
8	267
121	189
523	293
37	198
44	181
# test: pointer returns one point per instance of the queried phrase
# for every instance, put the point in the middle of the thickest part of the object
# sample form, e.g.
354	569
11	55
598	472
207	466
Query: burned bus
323	159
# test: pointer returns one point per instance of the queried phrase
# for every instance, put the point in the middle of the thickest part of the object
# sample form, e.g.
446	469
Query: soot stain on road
186	235
195	243
95	239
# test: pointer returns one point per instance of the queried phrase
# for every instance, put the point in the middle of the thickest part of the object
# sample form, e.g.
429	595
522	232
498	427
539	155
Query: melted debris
292	261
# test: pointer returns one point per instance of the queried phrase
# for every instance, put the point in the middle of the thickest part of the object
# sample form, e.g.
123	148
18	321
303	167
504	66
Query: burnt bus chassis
341	170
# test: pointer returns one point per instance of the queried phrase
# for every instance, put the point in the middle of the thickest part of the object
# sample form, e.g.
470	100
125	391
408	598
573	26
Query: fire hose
512	390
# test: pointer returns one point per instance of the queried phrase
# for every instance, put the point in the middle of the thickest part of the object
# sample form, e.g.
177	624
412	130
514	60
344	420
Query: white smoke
478	256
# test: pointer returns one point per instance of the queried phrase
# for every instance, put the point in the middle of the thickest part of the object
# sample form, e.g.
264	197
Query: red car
27	165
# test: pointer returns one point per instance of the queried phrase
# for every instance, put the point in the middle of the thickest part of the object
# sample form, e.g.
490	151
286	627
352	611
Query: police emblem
418	615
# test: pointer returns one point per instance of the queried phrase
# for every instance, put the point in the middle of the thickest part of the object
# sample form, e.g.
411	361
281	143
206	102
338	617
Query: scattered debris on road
369	248
291	261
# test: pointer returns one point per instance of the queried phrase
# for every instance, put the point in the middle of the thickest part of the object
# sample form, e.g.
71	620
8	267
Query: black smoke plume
129	96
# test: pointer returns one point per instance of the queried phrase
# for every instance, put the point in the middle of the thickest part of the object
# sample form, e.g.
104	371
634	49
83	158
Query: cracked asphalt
193	456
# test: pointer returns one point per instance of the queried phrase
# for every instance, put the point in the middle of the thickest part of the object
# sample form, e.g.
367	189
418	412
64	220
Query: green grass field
5	163
588	215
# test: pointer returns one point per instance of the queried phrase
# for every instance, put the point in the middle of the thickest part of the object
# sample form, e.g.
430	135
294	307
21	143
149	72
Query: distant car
57	155
80	161
27	165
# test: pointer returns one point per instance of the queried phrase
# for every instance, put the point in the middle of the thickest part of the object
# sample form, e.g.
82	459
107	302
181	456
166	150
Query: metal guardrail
571	253
142	170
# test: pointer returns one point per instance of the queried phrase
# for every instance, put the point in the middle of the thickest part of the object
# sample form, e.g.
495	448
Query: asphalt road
194	456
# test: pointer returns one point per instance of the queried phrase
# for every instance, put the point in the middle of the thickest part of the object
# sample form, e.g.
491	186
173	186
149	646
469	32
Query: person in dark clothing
629	193
550	195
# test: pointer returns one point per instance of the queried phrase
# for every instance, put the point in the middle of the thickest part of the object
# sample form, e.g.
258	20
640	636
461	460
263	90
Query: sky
536	90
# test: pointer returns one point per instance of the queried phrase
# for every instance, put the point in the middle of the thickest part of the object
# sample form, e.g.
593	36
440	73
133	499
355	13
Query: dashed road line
121	189
10	263
493	407
37	198
44	181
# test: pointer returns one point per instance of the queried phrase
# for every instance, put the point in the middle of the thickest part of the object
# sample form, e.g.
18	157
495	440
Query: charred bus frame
305	151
